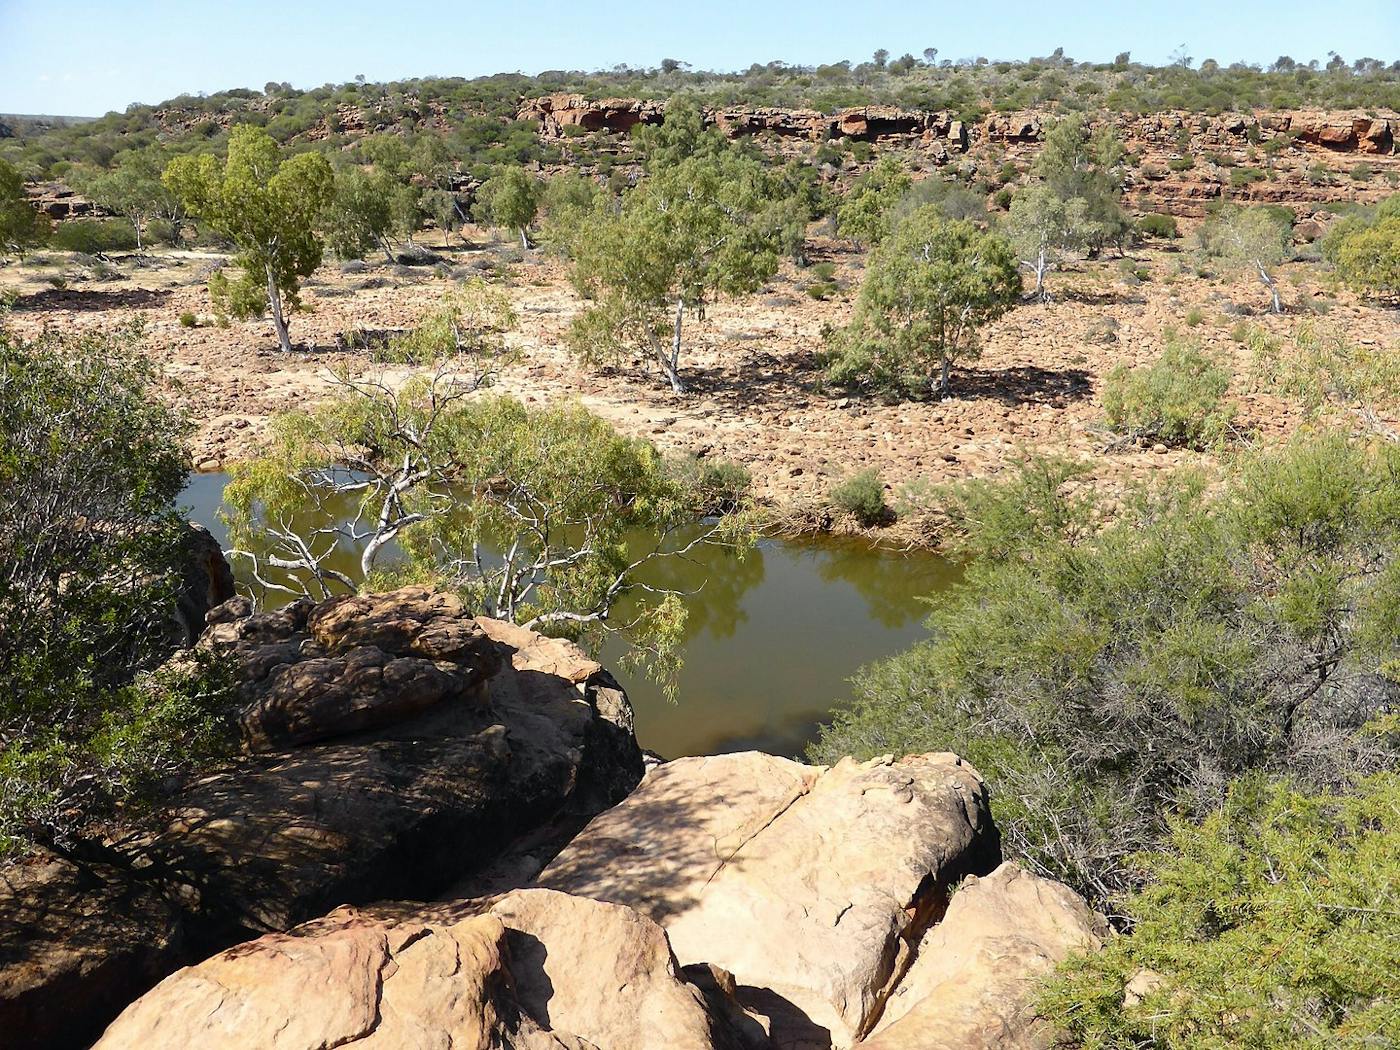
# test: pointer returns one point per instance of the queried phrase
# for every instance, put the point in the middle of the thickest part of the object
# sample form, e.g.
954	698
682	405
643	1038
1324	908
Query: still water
771	638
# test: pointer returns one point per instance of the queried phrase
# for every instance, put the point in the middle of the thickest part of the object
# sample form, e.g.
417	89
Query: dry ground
753	365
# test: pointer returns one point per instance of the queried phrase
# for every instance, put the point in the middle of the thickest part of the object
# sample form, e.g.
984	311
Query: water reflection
771	637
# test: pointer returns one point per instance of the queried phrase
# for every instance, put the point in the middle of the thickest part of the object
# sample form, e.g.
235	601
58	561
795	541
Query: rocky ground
753	364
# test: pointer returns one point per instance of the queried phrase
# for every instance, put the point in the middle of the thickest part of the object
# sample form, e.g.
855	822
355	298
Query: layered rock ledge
396	746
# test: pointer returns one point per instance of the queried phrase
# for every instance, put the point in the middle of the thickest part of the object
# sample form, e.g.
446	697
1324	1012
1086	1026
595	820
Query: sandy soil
753	365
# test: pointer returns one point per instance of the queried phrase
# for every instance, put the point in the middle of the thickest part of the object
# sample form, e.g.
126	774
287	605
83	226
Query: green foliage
1104	678
472	319
133	189
1158	225
91	463
928	290
1323	370
93	236
1369	259
268	205
532	514
1043	227
709	224
862	495
1254	239
1179	399
509	200
1080	165
865	213
568	200
21	224
1270	923
358	216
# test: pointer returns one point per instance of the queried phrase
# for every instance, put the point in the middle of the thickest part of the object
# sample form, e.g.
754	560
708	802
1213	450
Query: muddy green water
771	639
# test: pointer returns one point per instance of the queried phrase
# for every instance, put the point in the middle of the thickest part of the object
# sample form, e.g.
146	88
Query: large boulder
972	983
533	970
808	885
374	808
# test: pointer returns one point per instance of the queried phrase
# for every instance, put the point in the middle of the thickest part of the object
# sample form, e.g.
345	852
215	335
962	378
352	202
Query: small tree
1079	165
568	201
509	200
928	291
1043	227
865	212
1251	238
21	224
687	233
533	514
133	190
358	217
269	206
1369	259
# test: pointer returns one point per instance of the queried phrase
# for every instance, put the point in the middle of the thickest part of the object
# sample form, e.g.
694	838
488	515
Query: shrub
1101	678
94	236
93	543
1194	317
1269	924
930	286
1158	225
1245	176
188	319
1181	163
862	495
1362	172
1179	399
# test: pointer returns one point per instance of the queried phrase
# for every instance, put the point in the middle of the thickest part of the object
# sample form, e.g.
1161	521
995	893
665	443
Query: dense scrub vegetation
92	545
1105	679
1271	924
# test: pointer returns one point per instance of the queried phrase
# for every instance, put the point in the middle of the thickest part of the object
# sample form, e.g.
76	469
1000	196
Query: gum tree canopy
268	206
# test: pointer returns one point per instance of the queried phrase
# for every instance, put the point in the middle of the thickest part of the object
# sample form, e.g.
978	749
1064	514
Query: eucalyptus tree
269	205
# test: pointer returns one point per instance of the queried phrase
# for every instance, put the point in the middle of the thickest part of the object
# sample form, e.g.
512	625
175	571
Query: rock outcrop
971	985
1296	158
533	970
807	885
375	808
737	902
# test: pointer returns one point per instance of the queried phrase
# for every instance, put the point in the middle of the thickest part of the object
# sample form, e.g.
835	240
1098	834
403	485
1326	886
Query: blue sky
87	58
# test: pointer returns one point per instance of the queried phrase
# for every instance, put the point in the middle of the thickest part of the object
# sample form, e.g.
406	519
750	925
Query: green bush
1270	924
1181	163
94	236
862	495
1102	677
188	319
1158	225
1179	399
94	546
1240	177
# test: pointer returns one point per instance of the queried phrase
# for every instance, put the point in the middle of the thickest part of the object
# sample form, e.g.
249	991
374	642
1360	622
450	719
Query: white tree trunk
671	366
1268	282
279	321
524	240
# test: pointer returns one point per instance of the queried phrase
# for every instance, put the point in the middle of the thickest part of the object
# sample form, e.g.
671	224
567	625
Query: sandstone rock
206	581
353	663
804	883
535	969
972	983
279	837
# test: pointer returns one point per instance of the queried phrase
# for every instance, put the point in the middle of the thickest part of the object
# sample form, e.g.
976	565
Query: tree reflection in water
771	637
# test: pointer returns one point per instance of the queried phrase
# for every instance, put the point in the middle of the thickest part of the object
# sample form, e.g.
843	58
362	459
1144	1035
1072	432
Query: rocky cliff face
1305	157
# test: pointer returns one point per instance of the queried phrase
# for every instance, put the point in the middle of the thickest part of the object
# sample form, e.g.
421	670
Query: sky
84	59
